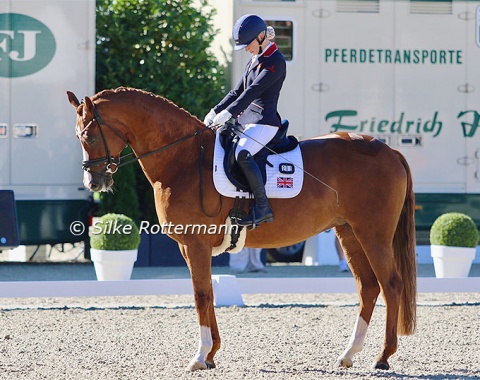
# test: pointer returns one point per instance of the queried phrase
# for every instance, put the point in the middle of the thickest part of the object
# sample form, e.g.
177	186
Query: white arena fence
228	289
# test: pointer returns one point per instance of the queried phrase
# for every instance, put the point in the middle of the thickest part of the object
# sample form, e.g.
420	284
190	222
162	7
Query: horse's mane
143	94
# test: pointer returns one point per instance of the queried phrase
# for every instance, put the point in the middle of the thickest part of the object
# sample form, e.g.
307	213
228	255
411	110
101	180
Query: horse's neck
179	161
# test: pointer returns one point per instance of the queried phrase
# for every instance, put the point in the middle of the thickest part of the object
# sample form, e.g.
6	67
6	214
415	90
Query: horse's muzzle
97	182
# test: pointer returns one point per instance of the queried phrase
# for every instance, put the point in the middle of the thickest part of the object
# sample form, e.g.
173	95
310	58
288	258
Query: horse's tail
405	257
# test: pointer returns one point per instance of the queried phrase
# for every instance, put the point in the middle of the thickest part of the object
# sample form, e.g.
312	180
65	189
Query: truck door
44	149
429	92
356	84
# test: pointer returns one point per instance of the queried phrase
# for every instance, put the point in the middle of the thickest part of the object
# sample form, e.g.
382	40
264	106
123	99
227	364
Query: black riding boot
261	211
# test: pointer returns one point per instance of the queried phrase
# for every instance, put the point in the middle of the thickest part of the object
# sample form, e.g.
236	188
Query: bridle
112	164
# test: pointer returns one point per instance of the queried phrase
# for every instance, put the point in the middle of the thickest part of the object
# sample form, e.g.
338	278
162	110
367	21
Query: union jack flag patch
285	182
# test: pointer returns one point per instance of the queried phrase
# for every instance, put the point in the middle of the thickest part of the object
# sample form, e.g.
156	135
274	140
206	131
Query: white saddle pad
284	179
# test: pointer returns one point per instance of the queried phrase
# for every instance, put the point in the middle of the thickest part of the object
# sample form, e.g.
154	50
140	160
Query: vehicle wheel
290	254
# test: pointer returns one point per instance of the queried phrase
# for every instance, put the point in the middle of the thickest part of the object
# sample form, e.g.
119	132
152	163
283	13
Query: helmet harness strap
260	42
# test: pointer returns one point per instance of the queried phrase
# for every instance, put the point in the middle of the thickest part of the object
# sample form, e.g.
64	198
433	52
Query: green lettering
362	125
398	58
443	57
328	54
379	51
388	56
469	129
409	123
459	57
340	114
363	56
416	56
435	125
396	126
353	55
382	126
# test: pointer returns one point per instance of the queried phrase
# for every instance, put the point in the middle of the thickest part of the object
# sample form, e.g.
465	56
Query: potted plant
453	239
114	240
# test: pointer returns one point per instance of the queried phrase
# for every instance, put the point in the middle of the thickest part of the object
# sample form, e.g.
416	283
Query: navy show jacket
254	99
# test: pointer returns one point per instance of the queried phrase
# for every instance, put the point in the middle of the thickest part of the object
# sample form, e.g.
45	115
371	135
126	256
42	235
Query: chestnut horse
368	200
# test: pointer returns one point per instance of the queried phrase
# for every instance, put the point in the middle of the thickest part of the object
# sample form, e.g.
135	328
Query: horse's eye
89	140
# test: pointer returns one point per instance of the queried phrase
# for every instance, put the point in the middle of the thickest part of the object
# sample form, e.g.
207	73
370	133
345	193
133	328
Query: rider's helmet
246	29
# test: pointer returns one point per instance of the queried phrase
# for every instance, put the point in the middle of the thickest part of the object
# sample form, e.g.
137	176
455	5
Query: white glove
209	118
221	118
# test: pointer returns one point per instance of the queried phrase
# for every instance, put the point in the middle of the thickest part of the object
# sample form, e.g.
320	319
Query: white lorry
406	72
46	48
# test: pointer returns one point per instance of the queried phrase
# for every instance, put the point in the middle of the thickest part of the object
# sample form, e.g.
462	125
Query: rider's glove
221	118
209	118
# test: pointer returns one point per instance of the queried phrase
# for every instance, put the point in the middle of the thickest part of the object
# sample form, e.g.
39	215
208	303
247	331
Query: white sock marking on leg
357	339
205	344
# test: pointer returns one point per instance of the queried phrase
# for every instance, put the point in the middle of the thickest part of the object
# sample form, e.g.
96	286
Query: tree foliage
161	46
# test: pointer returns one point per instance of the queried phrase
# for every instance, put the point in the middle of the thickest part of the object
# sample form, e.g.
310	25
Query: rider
253	103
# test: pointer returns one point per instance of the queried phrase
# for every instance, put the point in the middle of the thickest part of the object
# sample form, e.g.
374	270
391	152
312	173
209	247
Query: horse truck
46	48
406	72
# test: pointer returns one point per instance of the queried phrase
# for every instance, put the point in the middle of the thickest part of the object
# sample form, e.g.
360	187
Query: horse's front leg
199	262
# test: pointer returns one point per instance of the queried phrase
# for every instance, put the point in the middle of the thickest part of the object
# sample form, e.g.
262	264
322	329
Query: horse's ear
73	99
89	104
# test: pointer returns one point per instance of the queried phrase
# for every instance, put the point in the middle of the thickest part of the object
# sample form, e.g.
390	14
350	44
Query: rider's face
252	48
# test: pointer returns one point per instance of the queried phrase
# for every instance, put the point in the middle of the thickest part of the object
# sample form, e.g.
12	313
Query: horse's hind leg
367	287
380	256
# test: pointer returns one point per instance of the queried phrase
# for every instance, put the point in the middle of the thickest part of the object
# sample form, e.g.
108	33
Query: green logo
26	45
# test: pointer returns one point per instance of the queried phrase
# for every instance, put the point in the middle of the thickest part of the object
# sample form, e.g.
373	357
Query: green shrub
454	229
114	232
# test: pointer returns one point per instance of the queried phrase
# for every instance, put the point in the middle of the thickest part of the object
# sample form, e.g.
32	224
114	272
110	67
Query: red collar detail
271	49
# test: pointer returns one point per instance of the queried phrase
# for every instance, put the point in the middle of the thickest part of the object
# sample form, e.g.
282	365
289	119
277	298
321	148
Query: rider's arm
267	77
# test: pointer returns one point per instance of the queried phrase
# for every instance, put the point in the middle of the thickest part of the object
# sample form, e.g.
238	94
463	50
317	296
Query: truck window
358	6
436	7
283	37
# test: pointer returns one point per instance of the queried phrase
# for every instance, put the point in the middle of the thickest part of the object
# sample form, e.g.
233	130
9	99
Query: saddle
229	138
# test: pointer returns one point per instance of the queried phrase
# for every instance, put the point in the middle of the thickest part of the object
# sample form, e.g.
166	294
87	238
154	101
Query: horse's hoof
210	365
195	366
344	362
381	365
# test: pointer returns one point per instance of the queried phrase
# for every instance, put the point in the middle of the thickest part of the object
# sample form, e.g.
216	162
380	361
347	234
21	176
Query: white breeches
254	137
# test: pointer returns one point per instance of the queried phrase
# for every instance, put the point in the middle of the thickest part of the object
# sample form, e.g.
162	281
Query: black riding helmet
246	29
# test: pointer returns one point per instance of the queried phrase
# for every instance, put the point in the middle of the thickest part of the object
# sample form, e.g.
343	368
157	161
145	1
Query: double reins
114	163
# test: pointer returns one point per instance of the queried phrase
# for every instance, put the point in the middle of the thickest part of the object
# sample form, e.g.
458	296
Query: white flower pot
451	262
113	265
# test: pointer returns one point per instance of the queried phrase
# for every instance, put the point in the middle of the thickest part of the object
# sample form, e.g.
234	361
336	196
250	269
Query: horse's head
101	145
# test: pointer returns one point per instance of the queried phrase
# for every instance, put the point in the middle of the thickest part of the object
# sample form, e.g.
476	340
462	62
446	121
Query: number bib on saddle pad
283	172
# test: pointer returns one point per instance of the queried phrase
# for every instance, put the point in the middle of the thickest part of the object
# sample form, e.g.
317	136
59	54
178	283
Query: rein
114	163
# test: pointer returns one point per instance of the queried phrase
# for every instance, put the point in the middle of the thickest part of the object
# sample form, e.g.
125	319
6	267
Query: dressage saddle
229	137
